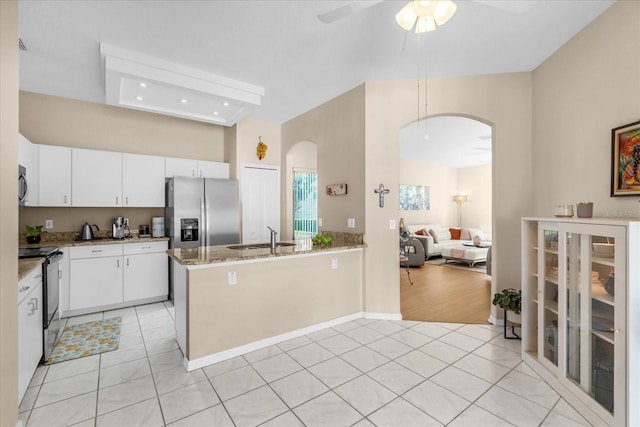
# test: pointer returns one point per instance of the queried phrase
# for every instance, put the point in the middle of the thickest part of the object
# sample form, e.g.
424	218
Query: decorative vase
33	239
477	240
585	209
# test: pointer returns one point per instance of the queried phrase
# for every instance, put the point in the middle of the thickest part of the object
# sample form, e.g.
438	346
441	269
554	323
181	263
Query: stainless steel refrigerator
201	212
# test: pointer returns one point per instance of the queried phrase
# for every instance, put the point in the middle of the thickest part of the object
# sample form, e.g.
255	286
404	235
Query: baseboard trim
200	362
383	316
495	321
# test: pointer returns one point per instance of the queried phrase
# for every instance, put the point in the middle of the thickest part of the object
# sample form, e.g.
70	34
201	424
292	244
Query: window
305	204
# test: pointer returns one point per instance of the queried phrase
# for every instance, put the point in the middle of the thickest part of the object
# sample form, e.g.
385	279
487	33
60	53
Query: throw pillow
455	233
465	234
434	235
419	233
440	235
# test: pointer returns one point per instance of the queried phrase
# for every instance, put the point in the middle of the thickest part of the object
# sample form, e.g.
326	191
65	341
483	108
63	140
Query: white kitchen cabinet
30	344
54	175
142	180
96	178
195	168
145	271
28	155
96	276
579	294
208	169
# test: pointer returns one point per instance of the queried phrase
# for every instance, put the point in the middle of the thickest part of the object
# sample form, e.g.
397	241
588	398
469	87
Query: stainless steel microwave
23	188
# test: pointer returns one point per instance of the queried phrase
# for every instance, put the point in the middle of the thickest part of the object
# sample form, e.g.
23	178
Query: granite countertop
219	254
26	266
70	239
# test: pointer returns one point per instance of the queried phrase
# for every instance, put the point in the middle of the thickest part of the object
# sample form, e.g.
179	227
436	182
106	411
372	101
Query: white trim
269	259
383	316
190	365
19	423
495	321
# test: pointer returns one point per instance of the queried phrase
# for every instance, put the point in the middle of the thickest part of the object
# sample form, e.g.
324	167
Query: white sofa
436	236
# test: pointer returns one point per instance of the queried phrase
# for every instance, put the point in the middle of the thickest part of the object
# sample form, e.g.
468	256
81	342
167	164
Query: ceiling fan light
423	7
407	16
443	11
424	24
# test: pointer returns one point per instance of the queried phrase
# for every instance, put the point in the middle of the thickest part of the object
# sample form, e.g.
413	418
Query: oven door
51	288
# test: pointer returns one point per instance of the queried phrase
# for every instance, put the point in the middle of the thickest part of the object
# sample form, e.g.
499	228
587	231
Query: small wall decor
381	191
261	149
625	160
414	198
336	189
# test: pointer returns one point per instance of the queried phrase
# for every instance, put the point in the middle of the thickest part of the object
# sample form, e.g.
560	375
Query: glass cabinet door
548	292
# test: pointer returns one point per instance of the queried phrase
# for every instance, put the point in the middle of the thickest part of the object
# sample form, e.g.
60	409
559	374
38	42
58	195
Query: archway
450	157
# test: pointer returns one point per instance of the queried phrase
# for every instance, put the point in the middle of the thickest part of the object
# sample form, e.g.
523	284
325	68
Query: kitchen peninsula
232	301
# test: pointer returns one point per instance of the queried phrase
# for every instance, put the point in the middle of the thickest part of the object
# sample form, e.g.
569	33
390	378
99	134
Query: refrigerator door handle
204	226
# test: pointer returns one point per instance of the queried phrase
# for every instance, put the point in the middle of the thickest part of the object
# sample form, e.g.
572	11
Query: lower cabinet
108	276
29	329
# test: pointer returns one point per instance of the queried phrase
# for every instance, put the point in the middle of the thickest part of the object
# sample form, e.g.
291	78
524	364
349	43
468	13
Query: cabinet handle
59	274
193	172
118	263
65	199
126	200
127	262
145	247
38	276
24	288
614	330
34	306
96	250
116	200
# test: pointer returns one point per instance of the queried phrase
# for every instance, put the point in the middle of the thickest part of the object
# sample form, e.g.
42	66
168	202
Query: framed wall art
625	160
414	198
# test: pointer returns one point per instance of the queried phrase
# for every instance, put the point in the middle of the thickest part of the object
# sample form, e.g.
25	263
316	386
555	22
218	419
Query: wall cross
381	191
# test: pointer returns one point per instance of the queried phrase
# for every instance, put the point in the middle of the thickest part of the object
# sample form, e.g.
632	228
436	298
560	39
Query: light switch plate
334	263
319	222
48	224
351	223
232	277
392	224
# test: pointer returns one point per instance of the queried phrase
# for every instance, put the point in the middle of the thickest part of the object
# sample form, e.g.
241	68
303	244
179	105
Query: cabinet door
29	337
146	276
174	166
28	157
548	293
95	282
96	178
213	169
142	180
54	175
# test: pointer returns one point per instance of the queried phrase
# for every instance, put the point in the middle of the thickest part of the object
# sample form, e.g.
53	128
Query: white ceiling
456	142
283	47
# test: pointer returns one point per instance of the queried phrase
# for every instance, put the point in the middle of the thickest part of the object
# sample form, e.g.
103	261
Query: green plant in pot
509	300
33	234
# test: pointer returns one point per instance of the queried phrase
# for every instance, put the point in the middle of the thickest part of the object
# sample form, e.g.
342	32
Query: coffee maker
119	227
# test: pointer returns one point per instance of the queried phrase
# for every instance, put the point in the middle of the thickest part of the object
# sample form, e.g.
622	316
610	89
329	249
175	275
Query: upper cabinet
142	180
54	175
195	168
96	178
28	157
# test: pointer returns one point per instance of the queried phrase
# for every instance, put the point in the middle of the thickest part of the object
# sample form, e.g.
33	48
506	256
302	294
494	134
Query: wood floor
443	294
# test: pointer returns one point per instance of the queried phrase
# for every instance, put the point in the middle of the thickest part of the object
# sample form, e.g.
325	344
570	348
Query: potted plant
33	234
510	300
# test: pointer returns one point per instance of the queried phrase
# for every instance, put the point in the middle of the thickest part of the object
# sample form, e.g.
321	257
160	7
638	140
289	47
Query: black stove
43	252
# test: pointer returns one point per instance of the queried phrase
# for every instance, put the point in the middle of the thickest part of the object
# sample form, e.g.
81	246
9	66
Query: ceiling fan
354	6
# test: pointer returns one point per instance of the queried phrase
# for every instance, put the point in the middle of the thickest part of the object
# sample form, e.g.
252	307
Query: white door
260	203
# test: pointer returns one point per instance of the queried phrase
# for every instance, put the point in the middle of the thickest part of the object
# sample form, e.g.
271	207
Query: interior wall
302	155
442	182
338	130
475	181
588	87
500	100
8	213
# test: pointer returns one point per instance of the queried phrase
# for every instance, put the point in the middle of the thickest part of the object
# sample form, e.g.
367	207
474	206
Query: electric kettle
87	232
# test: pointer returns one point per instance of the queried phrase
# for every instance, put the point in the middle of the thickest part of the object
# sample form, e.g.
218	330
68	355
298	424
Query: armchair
412	248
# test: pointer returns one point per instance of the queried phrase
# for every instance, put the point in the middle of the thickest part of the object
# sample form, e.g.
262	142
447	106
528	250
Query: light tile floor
360	373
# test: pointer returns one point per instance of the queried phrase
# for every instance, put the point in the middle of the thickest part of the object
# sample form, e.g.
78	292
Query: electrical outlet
351	223
233	278
334	263
392	224
48	224
126	221
319	222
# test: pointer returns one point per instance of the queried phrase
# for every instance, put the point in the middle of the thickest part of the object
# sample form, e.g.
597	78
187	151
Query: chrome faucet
273	237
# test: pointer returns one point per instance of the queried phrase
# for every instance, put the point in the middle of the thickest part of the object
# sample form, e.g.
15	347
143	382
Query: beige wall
442	182
500	100
271	298
337	128
584	90
8	213
476	182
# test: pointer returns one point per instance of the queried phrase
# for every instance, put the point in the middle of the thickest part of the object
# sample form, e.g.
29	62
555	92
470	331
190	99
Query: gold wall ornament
261	149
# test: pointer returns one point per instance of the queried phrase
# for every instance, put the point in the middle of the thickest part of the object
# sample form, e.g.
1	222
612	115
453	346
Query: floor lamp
460	199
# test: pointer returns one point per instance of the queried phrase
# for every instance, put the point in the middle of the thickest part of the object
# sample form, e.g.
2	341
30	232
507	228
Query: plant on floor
508	299
32	234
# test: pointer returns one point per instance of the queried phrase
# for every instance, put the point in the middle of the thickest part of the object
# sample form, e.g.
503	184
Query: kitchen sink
259	245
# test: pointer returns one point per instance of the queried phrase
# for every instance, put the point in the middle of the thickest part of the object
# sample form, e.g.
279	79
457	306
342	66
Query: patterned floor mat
87	339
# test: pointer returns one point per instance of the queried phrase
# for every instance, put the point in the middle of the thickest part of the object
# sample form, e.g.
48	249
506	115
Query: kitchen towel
87	339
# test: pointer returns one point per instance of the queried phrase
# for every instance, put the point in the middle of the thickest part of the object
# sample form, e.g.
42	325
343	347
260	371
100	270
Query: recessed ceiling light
226	104
141	84
139	98
215	113
184	101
